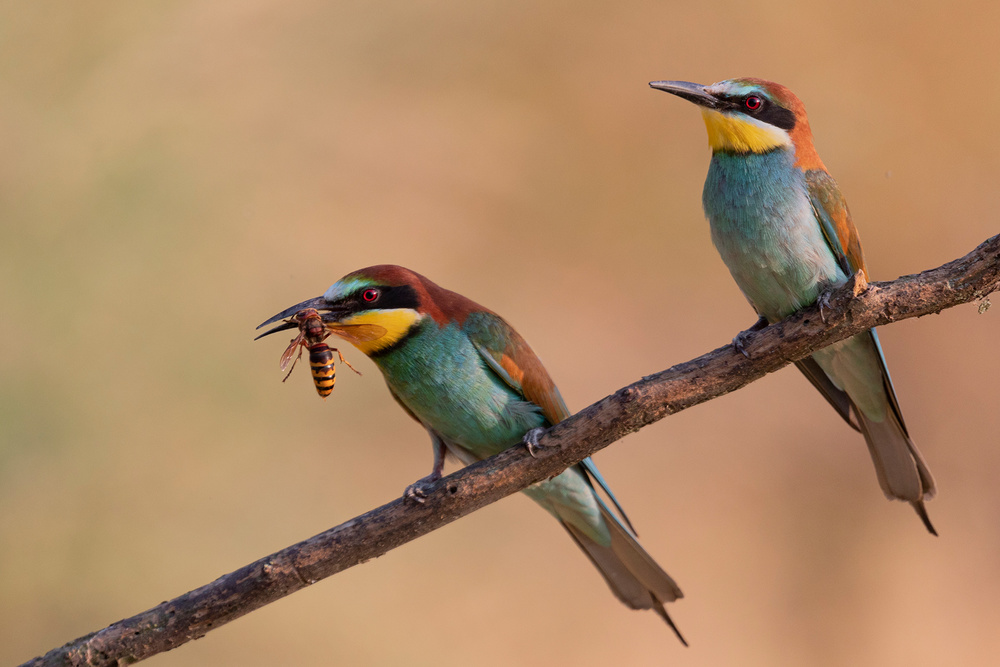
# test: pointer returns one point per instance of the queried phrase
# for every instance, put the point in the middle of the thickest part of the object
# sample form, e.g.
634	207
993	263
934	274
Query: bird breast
763	226
441	378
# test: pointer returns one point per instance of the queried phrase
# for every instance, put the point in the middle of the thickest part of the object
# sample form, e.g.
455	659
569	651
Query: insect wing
358	333
286	356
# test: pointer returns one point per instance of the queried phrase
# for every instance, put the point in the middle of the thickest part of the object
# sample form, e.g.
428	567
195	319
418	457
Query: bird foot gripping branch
823	302
856	285
743	337
531	441
418	491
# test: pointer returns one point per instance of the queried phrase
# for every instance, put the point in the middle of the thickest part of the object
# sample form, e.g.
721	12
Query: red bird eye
753	103
369	295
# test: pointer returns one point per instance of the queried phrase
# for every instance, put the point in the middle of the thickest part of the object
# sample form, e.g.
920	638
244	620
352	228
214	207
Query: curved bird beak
692	92
318	303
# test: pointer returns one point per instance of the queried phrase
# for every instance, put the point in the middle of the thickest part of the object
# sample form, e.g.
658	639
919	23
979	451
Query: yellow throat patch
396	322
742	135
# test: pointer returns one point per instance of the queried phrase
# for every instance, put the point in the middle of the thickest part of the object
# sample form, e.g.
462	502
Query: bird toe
530	441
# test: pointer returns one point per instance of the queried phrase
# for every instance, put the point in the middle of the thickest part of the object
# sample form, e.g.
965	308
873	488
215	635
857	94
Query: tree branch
853	309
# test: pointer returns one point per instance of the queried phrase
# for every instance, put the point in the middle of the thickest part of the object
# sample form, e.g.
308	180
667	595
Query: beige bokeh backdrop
175	172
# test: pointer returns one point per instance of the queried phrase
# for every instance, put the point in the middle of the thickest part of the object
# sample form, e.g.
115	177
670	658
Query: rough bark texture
854	308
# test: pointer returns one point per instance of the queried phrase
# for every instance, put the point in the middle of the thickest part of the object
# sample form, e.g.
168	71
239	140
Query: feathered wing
901	470
508	355
834	396
830	209
631	573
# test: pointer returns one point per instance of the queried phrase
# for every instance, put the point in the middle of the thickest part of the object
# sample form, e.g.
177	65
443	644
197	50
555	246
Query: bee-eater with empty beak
782	227
468	378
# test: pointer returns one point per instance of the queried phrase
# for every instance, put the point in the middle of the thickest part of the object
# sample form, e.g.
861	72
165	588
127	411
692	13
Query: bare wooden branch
854	308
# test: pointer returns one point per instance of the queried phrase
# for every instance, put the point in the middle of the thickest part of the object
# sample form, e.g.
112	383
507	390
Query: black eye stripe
768	111
401	296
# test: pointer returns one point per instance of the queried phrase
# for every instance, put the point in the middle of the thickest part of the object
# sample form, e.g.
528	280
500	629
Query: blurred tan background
173	173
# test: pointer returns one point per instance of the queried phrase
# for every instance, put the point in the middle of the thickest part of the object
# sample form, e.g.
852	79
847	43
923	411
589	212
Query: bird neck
740	188
731	133
399	325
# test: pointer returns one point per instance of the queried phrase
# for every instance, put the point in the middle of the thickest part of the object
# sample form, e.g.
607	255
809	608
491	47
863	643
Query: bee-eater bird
472	381
782	226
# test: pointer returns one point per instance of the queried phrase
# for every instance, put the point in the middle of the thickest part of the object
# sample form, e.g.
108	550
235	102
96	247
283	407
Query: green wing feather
510	357
834	219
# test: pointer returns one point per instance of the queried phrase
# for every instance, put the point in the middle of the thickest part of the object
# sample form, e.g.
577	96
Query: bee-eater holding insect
470	379
312	333
782	227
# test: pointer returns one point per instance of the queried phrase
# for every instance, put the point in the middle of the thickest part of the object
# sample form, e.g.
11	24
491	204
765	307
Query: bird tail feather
632	574
901	469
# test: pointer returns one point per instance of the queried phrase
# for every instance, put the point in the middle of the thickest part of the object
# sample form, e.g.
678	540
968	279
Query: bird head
376	308
750	116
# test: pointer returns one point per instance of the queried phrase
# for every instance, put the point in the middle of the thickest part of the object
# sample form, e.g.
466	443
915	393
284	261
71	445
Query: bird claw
417	492
739	342
824	302
743	337
530	441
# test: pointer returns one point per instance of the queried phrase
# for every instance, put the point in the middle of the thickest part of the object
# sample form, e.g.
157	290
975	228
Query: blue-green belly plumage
766	231
441	377
763	226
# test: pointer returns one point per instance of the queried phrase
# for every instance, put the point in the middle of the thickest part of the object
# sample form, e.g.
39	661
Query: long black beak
319	303
692	92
